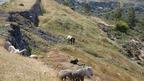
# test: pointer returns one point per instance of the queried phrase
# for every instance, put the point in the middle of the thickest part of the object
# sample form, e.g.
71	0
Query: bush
43	11
122	26
66	2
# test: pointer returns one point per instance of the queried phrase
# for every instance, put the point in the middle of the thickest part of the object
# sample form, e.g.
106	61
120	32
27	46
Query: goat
12	49
70	39
75	75
65	74
7	44
74	61
79	74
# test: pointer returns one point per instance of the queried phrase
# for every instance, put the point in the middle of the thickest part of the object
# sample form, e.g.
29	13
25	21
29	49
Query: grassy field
92	45
14	67
14	5
92	48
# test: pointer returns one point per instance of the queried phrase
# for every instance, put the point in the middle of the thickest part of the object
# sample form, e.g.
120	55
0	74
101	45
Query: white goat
7	44
70	39
65	74
79	74
12	49
75	75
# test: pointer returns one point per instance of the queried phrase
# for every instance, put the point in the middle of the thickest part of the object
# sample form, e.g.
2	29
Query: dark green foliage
122	26
66	2
86	9
29	48
43	11
2	30
118	13
131	17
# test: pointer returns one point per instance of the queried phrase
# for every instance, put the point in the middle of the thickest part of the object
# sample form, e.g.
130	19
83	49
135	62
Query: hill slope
18	68
92	47
62	20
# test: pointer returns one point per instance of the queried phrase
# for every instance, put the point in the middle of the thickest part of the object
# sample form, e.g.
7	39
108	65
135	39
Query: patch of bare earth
60	60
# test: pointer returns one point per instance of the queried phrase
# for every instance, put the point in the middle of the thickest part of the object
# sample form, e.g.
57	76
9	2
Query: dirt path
60	60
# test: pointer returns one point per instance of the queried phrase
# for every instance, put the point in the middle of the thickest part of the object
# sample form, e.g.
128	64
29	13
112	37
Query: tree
87	8
65	2
122	26
131	17
118	14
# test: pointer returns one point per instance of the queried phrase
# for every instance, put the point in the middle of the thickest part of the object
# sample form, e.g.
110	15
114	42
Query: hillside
92	47
18	68
117	13
15	5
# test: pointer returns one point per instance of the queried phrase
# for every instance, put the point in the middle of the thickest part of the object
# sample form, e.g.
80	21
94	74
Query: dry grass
108	63
113	69
14	5
17	68
92	48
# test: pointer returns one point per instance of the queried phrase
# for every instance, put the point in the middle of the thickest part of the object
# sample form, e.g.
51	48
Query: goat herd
75	75
64	75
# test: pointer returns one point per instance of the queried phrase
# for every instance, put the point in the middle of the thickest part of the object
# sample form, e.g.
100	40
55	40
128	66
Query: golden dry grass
92	48
14	5
118	68
92	45
14	67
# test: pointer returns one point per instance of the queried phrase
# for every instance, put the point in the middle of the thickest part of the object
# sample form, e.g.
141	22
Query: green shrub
66	2
43	11
122	26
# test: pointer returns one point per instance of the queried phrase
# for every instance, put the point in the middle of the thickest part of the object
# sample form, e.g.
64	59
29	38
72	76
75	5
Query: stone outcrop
21	21
133	49
15	36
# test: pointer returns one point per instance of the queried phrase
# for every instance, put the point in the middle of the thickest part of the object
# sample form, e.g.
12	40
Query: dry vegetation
14	5
18	68
92	48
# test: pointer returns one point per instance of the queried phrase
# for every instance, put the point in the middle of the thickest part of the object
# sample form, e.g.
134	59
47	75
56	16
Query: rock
133	49
15	36
21	4
104	27
21	21
18	40
33	56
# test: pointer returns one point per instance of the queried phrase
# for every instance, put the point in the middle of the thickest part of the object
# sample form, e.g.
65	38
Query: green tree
66	2
87	8
131	17
122	26
118	14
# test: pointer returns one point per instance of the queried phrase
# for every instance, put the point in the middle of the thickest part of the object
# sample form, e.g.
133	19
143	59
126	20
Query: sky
3	1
